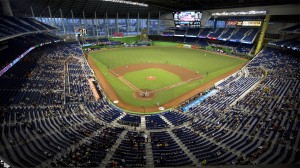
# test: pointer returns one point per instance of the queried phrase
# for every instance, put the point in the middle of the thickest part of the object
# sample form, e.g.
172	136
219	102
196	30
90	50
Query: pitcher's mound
150	77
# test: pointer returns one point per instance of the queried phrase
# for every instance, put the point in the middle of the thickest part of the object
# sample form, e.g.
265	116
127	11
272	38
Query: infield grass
163	78
197	60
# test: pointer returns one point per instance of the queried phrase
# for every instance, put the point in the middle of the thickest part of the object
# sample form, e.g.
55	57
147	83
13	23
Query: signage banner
199	100
180	45
187	46
252	23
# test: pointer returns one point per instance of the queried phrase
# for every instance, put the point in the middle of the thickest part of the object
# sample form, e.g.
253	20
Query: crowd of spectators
267	117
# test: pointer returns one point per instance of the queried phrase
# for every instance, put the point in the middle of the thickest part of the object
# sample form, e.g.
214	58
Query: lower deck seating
166	152
132	120
155	122
176	118
132	151
203	149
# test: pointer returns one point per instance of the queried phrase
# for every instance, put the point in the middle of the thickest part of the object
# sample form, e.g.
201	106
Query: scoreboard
187	19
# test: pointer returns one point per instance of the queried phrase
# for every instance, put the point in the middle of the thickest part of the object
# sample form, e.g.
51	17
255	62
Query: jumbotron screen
190	19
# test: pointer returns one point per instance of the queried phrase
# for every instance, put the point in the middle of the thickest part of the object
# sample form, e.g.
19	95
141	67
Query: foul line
129	84
125	81
176	84
113	72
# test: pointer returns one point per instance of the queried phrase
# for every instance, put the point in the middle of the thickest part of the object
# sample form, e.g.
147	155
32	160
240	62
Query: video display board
189	19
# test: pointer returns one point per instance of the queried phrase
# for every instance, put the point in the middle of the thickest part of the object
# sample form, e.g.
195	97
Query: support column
117	22
32	13
50	14
73	20
84	21
262	34
138	23
158	29
6	8
106	24
93	27
127	24
96	24
148	23
62	21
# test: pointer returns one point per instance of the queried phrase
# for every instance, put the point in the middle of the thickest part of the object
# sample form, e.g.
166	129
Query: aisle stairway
143	123
166	120
184	148
149	154
70	148
112	150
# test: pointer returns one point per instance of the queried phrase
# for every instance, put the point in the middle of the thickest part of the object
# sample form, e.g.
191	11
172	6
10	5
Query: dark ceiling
40	7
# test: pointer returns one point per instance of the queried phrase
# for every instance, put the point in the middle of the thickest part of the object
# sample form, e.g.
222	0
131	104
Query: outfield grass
163	78
196	60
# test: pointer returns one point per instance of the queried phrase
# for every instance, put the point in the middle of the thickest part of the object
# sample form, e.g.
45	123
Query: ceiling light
127	2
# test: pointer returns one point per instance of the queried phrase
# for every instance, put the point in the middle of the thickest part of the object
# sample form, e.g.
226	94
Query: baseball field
145	78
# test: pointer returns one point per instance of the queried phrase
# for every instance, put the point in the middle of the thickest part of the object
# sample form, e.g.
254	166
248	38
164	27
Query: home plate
161	108
116	101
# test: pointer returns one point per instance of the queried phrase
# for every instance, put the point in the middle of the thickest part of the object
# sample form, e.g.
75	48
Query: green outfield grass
163	78
196	60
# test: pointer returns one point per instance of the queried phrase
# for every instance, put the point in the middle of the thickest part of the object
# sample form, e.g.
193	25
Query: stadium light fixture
127	2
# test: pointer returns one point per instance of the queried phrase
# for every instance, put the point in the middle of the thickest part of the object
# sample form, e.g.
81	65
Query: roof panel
40	7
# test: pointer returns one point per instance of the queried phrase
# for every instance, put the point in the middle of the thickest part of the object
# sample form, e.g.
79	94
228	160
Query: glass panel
101	27
123	26
132	28
111	26
153	26
221	24
105	27
143	25
209	23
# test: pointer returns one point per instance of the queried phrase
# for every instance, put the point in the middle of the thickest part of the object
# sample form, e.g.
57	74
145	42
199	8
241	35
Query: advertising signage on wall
239	23
235	23
231	23
252	23
15	61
